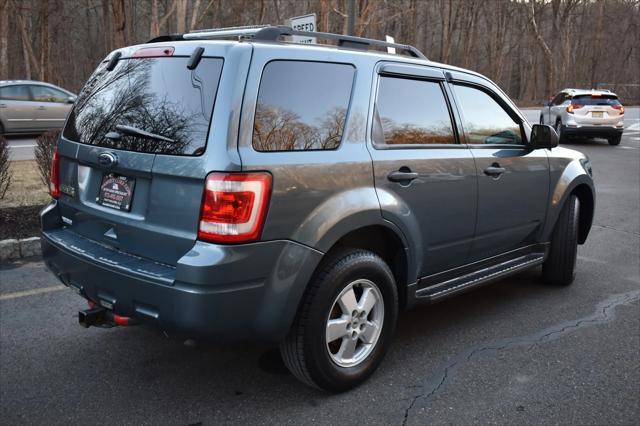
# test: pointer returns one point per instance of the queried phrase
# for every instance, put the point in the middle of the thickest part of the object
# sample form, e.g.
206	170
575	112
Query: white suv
585	113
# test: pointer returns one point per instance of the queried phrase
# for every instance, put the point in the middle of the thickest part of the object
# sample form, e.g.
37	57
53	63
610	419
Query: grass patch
26	188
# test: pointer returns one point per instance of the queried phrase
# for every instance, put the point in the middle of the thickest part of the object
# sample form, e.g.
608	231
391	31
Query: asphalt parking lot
515	352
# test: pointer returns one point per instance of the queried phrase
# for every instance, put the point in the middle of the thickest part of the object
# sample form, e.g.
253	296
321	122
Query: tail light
619	108
234	207
573	107
54	187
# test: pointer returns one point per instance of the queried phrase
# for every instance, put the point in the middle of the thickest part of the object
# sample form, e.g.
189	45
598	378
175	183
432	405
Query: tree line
531	48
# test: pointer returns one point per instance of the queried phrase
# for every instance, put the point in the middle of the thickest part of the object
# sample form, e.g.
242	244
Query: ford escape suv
301	194
585	113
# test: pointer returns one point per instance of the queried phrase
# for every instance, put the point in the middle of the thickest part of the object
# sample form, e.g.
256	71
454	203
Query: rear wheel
345	322
559	268
615	140
559	131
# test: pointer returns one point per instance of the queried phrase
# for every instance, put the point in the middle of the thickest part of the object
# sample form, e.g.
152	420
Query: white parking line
26	293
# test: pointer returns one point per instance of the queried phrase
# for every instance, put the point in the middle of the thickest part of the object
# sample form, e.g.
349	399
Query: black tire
305	351
560	132
541	119
615	140
559	268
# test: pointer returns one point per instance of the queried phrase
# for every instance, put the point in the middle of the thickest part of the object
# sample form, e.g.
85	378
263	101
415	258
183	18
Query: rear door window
14	93
302	106
48	94
156	95
411	112
485	121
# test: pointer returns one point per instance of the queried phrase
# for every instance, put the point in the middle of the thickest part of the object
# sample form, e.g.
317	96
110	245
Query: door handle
42	107
494	170
402	176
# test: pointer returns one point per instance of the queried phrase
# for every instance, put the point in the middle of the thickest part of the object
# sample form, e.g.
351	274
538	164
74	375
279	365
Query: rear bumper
592	131
244	291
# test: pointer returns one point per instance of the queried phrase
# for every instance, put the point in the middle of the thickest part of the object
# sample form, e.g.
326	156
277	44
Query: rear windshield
156	95
595	100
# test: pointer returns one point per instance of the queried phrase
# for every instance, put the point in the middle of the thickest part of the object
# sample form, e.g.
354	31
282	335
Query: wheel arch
587	208
384	242
574	181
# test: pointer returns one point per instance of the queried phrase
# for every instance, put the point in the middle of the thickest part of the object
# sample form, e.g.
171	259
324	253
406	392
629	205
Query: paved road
21	148
515	352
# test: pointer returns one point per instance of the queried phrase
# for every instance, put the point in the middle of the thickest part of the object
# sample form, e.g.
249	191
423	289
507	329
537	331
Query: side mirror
71	99
543	137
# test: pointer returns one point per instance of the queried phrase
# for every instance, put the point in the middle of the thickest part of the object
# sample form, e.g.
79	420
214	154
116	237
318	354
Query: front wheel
541	119
615	140
559	268
345	322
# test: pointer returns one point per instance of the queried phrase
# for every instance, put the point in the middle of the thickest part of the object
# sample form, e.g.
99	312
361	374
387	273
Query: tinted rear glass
156	95
302	106
595	100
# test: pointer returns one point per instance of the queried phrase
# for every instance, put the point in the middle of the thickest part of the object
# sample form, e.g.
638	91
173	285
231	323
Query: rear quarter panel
317	195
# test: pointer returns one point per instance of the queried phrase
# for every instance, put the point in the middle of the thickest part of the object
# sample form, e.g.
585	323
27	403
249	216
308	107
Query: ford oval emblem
107	159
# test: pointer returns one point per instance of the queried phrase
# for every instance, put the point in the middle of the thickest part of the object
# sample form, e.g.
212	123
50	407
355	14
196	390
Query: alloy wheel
354	323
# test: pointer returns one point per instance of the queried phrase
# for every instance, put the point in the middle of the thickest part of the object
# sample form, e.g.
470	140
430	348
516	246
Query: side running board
478	278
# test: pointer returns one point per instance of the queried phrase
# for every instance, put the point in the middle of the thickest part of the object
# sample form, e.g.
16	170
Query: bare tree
119	23
531	48
4	39
44	41
548	55
158	23
181	16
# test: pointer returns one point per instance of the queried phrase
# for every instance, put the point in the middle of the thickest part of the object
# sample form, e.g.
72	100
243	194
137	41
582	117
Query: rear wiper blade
134	131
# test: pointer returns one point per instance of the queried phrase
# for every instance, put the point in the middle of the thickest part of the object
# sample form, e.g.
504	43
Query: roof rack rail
275	32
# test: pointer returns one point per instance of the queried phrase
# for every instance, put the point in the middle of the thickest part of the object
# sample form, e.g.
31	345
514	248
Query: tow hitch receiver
94	316
100	317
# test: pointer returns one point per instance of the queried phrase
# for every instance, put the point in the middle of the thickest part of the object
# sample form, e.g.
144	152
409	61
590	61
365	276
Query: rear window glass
156	95
595	100
302	106
14	93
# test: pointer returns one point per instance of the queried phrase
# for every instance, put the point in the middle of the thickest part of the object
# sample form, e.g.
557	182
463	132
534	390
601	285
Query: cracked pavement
514	352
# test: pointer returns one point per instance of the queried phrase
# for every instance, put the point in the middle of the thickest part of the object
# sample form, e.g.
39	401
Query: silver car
32	106
585	113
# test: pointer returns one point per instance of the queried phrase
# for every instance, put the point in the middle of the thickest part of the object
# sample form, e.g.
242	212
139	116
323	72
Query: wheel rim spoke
369	332
367	300
337	328
348	348
348	302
